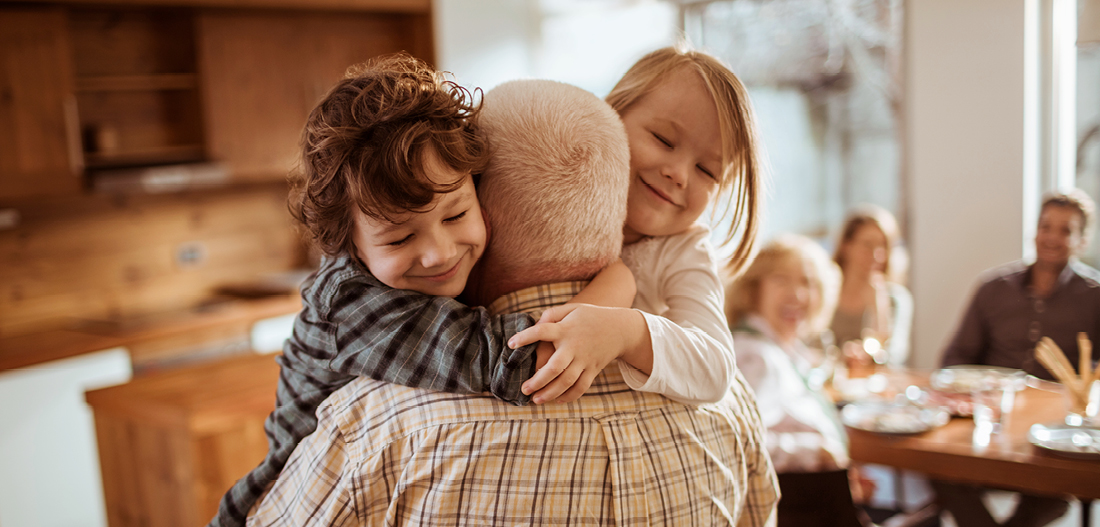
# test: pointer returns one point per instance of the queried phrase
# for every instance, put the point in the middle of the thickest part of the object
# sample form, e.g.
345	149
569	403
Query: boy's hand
586	338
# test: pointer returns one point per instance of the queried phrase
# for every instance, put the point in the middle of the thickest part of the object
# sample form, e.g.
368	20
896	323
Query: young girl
692	143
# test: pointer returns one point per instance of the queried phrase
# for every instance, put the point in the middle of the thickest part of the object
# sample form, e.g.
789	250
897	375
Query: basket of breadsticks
1082	387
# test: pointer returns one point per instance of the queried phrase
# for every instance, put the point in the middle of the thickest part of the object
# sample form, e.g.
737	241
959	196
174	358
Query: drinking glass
993	397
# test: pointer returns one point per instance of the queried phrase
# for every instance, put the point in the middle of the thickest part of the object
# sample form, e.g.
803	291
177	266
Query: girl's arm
612	287
686	354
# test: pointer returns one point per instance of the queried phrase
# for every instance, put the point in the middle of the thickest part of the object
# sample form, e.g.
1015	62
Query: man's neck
1044	276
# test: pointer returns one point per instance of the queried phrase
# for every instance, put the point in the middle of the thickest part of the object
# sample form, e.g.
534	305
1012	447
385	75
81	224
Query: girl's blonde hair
743	294
874	215
742	174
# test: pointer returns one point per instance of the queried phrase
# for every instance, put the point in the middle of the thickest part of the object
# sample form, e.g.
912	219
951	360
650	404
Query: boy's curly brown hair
365	145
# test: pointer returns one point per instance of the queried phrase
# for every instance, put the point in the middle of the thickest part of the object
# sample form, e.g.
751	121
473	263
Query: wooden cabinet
110	87
136	86
171	444
262	73
39	134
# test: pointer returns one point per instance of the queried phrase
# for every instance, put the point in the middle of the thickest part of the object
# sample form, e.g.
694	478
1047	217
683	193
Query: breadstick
1052	357
1055	368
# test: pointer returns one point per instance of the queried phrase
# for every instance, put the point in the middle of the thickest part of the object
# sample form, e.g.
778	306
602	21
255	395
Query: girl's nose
677	171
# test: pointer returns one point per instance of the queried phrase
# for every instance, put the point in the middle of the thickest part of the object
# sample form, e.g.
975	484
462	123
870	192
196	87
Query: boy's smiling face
431	252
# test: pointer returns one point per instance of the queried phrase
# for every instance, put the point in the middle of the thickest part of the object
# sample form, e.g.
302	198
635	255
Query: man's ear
488	225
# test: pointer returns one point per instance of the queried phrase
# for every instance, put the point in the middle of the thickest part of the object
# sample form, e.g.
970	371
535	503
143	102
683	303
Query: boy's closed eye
402	241
456	217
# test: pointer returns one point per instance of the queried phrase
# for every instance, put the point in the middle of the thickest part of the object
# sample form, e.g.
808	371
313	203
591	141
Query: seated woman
785	295
872	303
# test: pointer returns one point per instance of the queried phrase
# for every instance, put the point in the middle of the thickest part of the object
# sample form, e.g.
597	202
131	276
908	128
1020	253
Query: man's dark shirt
1005	319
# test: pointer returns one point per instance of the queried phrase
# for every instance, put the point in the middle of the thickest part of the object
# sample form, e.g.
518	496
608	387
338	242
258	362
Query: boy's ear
488	225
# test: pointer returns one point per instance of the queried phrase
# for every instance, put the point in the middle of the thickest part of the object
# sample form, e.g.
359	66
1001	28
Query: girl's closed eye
455	218
663	141
706	172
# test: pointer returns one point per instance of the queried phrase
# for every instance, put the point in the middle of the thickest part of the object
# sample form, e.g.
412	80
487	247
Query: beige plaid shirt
385	454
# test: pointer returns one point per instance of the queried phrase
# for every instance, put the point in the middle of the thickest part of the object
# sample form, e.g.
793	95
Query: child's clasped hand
578	341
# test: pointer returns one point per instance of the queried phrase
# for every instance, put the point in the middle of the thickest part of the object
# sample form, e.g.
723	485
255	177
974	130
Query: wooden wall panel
250	63
115	260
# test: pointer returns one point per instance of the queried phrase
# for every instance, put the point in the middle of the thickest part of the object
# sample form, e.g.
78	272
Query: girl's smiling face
675	156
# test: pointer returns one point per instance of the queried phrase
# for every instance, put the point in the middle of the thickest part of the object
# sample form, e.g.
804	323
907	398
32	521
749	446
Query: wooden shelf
152	155
179	81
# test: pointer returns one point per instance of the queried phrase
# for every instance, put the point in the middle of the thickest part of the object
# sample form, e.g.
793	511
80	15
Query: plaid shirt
385	454
352	325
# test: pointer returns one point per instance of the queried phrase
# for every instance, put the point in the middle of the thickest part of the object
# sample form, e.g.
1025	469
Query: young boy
386	192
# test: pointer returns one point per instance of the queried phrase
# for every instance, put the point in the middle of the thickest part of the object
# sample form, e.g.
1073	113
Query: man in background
1013	307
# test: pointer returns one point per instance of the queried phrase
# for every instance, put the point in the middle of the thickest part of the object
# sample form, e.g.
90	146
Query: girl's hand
586	339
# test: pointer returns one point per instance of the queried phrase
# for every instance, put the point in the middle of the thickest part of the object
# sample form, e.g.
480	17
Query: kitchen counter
77	337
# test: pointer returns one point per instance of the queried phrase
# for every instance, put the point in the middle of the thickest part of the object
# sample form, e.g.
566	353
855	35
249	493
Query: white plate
964	377
1064	440
896	419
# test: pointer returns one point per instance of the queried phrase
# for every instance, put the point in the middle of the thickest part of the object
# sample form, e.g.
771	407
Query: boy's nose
440	252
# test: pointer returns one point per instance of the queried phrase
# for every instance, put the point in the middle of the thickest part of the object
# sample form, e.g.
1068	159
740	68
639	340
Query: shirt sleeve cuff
634	377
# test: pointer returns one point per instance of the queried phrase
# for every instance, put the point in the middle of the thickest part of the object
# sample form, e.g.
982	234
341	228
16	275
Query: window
824	77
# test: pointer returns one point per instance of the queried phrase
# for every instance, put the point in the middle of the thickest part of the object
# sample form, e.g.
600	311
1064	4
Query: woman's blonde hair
742	173
867	214
743	294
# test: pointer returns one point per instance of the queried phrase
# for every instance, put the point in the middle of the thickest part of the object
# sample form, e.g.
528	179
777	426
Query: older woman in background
786	295
872	302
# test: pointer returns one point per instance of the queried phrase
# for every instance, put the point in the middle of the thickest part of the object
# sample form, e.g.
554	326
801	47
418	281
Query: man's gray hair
556	184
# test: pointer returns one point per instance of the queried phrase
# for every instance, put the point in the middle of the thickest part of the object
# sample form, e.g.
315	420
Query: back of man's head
555	187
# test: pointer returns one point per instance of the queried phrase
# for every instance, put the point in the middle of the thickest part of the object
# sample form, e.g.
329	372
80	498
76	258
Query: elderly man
386	454
1056	296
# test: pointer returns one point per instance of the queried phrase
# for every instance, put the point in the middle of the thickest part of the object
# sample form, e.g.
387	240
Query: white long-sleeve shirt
682	299
804	434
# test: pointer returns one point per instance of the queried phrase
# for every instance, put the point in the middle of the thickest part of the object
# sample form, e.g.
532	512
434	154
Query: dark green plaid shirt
352	325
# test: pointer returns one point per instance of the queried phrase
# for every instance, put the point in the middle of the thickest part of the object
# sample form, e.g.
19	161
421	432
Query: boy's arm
612	287
422	341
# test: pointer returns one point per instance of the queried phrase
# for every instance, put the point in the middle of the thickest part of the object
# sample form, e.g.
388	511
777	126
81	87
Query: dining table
1004	460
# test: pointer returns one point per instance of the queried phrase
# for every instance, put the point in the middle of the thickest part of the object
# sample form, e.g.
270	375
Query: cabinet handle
72	136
